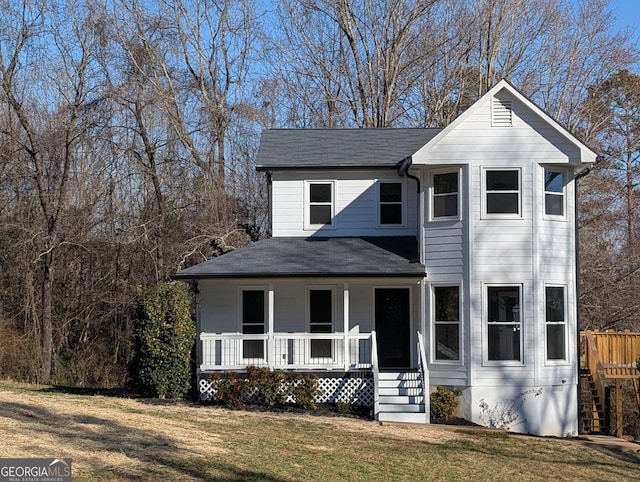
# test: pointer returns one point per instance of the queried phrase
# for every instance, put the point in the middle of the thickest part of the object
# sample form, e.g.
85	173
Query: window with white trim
390	197
553	193
556	322
446	308
445	198
320	204
320	320
502	191
253	322
504	323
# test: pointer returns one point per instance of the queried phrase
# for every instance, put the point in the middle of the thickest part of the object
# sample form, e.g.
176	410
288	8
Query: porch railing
234	351
424	372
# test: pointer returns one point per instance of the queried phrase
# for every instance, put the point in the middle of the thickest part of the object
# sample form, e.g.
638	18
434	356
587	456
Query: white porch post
345	318
271	348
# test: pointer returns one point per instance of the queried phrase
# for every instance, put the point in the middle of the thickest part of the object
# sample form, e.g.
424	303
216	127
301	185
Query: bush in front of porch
262	386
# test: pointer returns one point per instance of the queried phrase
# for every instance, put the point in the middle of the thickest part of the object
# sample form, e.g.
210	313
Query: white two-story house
404	259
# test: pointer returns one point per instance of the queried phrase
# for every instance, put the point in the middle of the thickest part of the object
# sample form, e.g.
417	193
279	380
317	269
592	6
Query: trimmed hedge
163	338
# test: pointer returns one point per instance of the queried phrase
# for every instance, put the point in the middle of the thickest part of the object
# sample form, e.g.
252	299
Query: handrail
594	365
376	374
424	370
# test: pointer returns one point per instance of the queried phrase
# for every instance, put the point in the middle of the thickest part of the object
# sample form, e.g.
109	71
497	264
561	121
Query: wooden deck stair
400	397
607	358
593	414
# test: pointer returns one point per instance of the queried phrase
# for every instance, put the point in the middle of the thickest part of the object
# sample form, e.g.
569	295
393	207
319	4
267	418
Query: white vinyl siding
356	204
476	140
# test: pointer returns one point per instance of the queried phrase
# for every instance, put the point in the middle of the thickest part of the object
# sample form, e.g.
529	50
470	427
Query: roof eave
187	277
332	167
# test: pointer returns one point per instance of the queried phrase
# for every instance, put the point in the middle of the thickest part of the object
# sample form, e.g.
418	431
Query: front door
393	320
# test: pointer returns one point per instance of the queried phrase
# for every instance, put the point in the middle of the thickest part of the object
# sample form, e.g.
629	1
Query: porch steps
400	397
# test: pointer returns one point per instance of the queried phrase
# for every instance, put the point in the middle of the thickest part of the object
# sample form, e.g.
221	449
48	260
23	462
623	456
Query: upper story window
320	203
553	193
390	203
504	324
502	191
446	195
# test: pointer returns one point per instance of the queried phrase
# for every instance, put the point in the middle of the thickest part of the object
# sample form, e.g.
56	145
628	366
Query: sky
628	13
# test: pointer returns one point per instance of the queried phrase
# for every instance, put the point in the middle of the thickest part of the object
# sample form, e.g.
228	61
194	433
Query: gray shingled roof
343	148
314	257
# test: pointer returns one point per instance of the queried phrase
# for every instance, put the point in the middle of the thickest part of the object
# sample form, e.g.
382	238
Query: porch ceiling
315	257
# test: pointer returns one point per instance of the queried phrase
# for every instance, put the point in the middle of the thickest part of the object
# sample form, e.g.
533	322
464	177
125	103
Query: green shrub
230	390
163	340
443	403
265	387
345	408
303	388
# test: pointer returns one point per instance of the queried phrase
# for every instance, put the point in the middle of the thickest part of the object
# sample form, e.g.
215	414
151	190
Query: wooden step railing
610	355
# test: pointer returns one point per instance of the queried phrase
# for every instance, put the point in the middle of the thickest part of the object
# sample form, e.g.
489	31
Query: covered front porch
344	308
308	324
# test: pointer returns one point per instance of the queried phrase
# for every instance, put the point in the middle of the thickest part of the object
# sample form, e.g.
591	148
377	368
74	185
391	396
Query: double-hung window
253	323
446	195
556	322
320	321
502	191
446	302
390	196
504	323
320	204
553	193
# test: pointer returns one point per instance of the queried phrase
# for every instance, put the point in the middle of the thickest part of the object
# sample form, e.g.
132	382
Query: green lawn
112	438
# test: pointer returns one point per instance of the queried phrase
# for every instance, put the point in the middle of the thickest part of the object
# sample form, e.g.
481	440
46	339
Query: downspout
269	203
403	171
578	176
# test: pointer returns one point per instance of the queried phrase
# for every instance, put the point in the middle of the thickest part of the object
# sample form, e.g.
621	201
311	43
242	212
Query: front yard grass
114	438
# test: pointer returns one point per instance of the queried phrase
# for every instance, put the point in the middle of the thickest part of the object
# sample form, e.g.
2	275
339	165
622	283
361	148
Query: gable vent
501	113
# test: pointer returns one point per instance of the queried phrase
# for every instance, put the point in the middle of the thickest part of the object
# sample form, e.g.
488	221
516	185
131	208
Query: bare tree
354	53
611	251
48	110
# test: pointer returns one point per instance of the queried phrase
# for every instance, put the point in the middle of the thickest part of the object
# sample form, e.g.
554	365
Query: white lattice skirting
354	389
